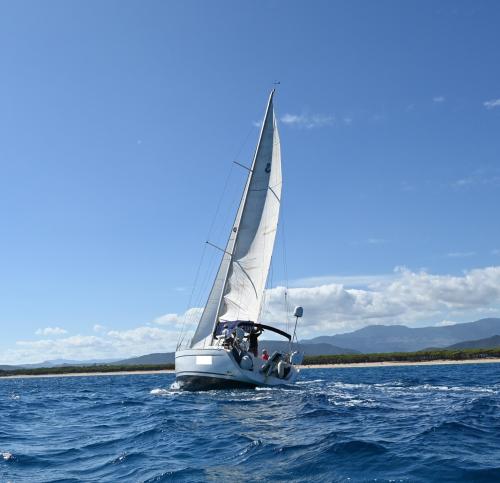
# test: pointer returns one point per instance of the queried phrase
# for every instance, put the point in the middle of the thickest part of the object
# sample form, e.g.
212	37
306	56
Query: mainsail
240	282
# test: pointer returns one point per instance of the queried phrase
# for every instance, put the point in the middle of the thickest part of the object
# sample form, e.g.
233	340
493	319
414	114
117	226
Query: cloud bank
410	298
331	305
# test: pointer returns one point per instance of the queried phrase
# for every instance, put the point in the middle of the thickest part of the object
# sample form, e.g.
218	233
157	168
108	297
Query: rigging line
193	289
218	248
243	166
219	203
181	335
270	286
203	286
229	214
238	151
285	266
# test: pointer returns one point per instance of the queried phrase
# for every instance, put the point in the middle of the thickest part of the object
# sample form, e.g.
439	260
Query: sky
120	122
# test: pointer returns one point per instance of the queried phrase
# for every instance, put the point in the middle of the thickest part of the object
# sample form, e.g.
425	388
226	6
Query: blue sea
415	423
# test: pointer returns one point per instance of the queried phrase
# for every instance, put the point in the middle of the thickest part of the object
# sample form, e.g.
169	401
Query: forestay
240	282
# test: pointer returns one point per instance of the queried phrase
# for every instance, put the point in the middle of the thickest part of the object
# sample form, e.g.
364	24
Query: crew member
265	355
253	343
226	335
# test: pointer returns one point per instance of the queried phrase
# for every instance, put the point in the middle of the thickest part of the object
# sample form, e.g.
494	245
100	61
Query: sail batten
240	282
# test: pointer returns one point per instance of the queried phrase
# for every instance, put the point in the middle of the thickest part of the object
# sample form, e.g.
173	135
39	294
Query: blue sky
120	121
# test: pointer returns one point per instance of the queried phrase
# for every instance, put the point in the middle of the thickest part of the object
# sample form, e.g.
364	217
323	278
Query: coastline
88	374
437	362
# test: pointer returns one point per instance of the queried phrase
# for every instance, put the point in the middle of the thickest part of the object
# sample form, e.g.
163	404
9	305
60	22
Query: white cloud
112	344
308	121
438	99
145	336
74	347
462	182
446	323
492	103
460	254
371	241
190	317
376	241
482	177
106	343
346	280
48	331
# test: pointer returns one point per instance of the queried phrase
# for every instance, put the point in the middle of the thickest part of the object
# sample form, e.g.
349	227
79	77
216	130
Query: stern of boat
216	368
203	369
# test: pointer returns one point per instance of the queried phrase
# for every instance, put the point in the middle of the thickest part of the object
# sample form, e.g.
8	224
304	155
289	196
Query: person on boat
239	339
265	355
253	341
226	335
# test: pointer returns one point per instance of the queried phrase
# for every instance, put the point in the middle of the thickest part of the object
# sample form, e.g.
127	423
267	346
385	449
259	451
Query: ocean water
419	423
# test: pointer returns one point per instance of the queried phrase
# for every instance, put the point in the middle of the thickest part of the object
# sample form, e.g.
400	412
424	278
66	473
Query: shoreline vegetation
342	360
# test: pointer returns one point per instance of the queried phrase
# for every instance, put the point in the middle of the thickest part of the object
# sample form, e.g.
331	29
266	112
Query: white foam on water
157	391
7	456
175	386
310	382
161	392
431	387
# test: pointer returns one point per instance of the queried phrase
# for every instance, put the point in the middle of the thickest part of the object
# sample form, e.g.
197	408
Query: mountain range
399	338
488	343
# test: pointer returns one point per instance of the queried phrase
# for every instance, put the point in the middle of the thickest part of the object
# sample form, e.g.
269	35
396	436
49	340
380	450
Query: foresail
256	231
240	282
206	324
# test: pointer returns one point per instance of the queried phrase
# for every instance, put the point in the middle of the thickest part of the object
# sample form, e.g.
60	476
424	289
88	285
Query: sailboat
221	354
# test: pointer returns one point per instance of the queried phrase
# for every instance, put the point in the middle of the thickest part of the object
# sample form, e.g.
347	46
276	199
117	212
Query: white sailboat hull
216	368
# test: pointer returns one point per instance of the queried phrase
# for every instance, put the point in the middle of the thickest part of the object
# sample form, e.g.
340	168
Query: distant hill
56	363
399	338
270	345
488	343
155	358
309	349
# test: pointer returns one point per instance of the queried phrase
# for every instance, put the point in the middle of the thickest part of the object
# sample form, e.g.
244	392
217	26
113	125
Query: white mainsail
240	282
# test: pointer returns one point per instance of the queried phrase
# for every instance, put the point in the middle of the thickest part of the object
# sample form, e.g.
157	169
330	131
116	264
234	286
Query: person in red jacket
265	355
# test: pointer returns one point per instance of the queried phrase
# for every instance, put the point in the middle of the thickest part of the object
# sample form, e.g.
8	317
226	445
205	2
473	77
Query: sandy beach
315	366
